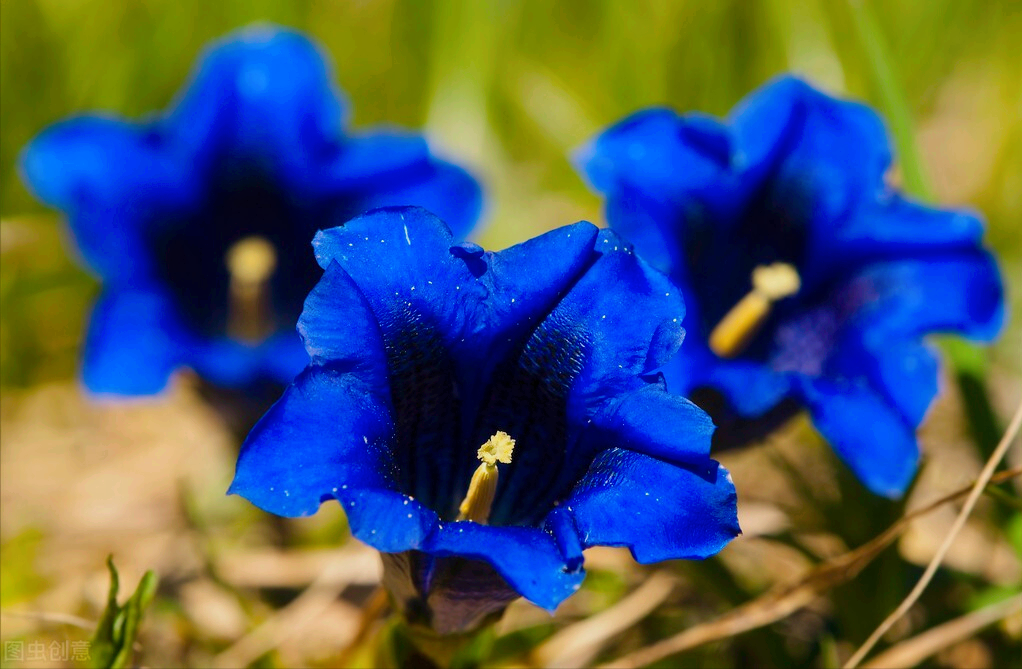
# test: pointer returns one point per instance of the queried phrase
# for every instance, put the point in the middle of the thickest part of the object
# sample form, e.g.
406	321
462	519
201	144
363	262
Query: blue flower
422	352
809	281
250	161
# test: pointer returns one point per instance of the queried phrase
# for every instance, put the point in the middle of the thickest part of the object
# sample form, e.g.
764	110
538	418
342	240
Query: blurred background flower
199	222
809	282
507	89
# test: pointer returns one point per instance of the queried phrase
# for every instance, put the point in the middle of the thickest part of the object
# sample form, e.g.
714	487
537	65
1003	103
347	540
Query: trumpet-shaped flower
198	220
484	417
809	281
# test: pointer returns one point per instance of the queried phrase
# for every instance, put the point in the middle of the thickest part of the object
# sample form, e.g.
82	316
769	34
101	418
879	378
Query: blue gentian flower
423	352
809	281
249	162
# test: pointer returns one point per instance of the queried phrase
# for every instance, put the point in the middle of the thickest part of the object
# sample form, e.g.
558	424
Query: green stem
969	361
892	99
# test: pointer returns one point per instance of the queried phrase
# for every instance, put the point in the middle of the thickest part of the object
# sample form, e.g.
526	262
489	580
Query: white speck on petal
407	238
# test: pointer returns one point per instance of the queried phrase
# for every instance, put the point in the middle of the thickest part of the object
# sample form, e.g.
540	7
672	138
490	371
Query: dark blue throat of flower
192	251
772	228
444	412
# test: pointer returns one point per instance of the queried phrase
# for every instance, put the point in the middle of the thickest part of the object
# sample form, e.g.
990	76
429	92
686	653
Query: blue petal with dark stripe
427	348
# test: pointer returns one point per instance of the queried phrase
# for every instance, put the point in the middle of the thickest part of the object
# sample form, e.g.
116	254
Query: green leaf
118	627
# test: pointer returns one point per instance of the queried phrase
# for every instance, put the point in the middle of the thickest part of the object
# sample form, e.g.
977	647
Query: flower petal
339	328
902	370
388	521
131	348
798	132
656	423
262	92
751	389
595	345
650	223
658	510
233	364
390	167
525	282
329	432
962	294
871	437
527	558
631	331
906	373
426	303
284	357
369	158
896	226
110	179
645	150
440	187
401	256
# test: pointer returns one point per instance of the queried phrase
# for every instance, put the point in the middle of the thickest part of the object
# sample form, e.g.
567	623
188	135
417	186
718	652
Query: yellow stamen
251	262
770	283
483	487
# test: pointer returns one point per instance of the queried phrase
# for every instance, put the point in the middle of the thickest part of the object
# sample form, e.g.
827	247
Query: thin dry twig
783	600
912	651
372	610
576	645
54	618
355	563
313	601
931	569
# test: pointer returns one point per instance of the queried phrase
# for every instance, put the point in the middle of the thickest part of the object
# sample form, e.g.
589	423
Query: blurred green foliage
509	87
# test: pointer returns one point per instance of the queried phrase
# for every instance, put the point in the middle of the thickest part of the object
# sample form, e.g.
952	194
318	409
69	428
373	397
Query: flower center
251	262
770	283
483	487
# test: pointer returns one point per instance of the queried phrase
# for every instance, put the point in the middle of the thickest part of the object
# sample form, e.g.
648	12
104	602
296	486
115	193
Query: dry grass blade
51	618
912	651
372	610
931	569
320	595
576	645
783	600
355	563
